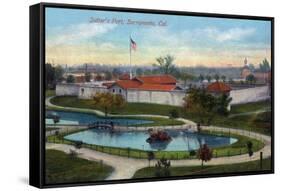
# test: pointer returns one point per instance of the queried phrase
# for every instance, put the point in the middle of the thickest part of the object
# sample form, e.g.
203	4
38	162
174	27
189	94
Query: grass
62	168
245	122
50	93
237	148
249	107
128	109
251	166
51	128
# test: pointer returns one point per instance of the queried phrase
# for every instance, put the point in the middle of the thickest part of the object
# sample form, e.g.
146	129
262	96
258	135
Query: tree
107	100
139	71
150	156
200	102
251	79
107	75
59	71
70	79
49	75
209	78
264	66
223	102
88	76
223	77
201	78
216	77
165	64
204	153
185	77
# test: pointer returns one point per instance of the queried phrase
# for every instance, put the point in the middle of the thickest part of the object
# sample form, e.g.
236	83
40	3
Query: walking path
125	168
249	113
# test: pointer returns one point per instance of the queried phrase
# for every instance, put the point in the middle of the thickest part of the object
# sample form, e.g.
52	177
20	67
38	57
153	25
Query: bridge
108	125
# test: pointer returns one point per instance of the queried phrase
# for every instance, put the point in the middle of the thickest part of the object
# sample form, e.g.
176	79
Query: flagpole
130	58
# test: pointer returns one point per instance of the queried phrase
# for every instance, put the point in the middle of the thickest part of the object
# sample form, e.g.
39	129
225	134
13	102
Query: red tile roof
157	79
150	83
218	87
156	87
128	84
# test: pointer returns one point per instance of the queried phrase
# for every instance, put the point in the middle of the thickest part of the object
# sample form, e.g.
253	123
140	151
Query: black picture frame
37	95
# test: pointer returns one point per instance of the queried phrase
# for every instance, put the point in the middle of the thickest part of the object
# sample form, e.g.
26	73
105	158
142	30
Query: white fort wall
67	89
158	97
89	92
175	98
250	95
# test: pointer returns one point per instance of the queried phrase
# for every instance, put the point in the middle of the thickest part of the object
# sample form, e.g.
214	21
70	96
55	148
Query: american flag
133	45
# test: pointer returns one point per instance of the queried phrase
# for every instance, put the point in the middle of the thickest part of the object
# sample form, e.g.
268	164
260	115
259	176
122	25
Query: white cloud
76	33
229	34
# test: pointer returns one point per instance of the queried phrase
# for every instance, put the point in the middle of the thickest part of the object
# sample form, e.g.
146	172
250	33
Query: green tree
59	71
107	100
222	103
201	78
200	102
88	76
209	78
165	64
139	71
108	75
186	77
49	75
70	79
223	77
264	66
216	77
251	79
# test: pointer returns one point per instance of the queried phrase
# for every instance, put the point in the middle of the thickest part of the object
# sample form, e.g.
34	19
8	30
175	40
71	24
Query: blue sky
72	39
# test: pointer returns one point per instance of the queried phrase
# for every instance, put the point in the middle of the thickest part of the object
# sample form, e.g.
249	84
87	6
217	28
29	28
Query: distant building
218	88
260	76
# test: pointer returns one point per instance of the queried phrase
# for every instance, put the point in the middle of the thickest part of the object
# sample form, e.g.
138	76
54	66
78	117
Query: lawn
128	109
62	168
252	166
247	122
249	107
49	93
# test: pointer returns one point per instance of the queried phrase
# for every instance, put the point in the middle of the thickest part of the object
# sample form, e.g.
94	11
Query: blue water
181	140
85	119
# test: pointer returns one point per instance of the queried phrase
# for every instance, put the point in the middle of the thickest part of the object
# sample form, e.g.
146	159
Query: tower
245	62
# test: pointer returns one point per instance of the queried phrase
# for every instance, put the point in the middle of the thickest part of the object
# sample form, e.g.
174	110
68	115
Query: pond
76	118
181	140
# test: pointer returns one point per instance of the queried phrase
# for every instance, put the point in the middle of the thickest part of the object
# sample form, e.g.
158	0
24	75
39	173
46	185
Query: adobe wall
159	97
250	95
86	92
67	89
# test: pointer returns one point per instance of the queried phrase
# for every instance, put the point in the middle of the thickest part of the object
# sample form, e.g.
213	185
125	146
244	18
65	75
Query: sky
75	36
